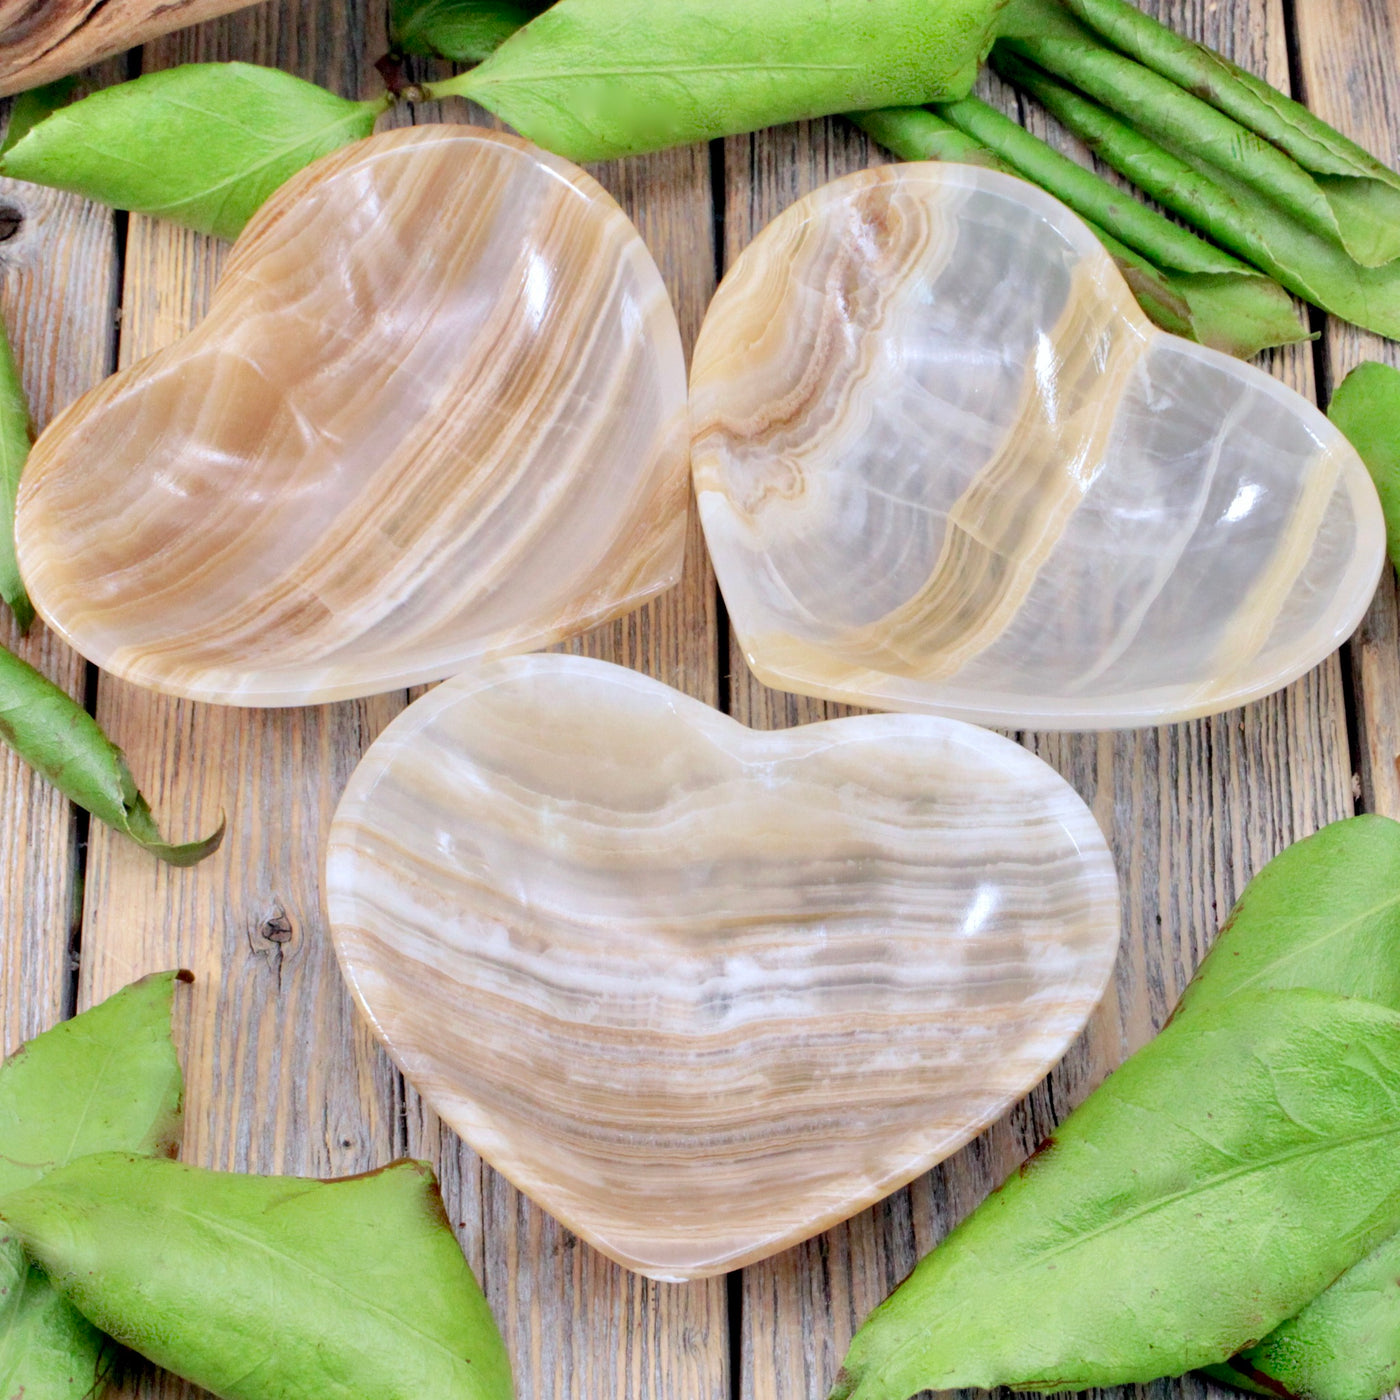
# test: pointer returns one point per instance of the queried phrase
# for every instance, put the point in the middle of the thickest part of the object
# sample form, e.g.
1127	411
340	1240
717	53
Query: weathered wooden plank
577	1325
58	295
1191	811
39	43
1349	63
282	1076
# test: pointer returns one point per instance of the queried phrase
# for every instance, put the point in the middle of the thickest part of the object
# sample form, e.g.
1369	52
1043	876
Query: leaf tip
844	1386
192	852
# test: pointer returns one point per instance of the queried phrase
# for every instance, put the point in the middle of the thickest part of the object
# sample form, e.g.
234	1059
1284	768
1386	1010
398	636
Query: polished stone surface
945	464
702	991
437	411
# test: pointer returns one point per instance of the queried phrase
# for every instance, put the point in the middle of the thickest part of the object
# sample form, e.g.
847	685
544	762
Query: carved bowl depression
702	991
945	464
437	411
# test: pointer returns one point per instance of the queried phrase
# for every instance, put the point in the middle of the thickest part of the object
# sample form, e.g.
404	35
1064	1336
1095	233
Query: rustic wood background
282	1075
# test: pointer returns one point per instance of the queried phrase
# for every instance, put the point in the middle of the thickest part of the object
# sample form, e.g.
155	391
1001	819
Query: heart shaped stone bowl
437	410
702	991
944	464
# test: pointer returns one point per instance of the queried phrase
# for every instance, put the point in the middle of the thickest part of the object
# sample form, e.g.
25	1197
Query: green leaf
204	144
1180	120
1363	194
1223	207
48	1349
30	108
1366	407
14	451
592	79
1187	286
1345	1345
465	31
270	1286
1324	914
56	736
1203	1194
107	1080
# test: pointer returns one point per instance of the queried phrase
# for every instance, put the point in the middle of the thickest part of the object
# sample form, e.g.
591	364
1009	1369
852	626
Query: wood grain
281	1074
283	1077
578	1325
42	41
1349	67
58	298
1191	812
575	1323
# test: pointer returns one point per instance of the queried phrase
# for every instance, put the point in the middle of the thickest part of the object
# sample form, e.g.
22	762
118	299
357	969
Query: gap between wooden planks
282	1077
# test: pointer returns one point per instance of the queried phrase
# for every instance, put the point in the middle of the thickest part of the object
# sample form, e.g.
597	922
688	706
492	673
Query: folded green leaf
14	450
592	79
56	736
106	1080
1181	121
1185	285
1364	194
1263	1130
1366	407
30	108
1345	1345
1225	209
263	1287
204	144
465	31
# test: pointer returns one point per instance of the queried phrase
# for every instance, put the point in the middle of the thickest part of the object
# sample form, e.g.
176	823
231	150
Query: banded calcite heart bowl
437	411
701	991
945	464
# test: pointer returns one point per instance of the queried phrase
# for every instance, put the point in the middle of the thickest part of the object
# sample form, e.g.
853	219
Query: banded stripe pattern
944	464
703	991
437	411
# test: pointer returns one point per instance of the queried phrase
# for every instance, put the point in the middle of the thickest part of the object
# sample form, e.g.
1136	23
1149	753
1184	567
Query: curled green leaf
1345	1345
1182	121
14	451
107	1080
1226	209
1363	194
1185	285
1366	407
465	31
56	736
1265	1129
204	144
592	79
261	1287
